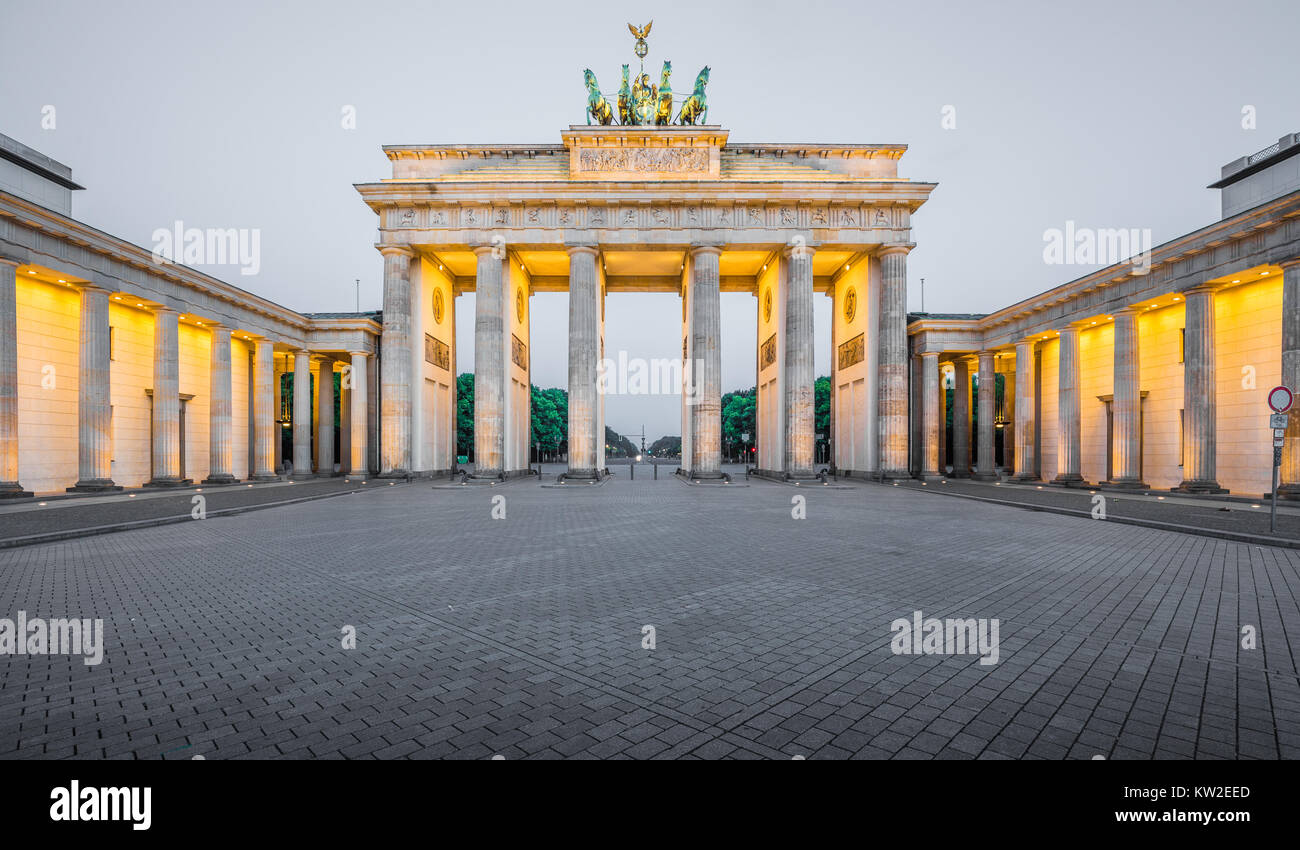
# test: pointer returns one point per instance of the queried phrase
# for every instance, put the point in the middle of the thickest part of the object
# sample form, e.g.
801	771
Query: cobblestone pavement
522	637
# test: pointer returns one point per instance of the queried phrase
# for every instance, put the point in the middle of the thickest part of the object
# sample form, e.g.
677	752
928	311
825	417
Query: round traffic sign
1279	398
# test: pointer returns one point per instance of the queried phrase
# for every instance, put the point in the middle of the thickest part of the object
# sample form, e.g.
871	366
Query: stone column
1069	411
1289	474
395	364
931	405
584	357
943	425
277	379
1127	406
94	405
266	431
489	366
360	463
961	418
325	417
1024	424
166	400
220	425
345	419
301	414
892	366
985	469
800	402
1199	394
9	486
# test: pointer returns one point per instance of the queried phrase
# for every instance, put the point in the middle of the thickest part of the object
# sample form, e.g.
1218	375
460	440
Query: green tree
739	411
550	417
465	414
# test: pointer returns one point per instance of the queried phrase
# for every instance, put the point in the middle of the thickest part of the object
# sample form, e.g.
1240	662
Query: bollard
632	477
656	466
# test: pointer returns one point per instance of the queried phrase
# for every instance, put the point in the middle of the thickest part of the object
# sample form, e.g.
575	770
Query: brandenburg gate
644	205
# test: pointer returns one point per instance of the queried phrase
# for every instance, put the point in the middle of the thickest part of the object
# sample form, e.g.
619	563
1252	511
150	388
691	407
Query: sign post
1279	400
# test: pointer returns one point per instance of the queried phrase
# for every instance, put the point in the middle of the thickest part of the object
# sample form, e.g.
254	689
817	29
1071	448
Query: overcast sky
1109	114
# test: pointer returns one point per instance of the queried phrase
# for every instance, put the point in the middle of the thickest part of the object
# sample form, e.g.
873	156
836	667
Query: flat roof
36	162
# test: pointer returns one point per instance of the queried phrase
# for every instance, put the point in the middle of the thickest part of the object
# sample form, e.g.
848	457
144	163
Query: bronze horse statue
597	106
696	107
664	108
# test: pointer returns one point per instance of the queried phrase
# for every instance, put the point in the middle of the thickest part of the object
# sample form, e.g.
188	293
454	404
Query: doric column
360	463
301	414
325	417
277	385
489	365
1024	424
961	418
9	486
943	424
395	364
1069	410
892	362
94	407
266	431
166	400
1199	394
345	419
800	403
931	424
584	358
1289	474
220	425
984	467
1127	406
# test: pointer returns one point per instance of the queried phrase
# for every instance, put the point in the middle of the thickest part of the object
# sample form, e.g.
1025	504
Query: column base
582	473
1069	479
1199	488
709	476
95	485
958	474
1124	485
164	483
220	479
263	477
932	477
13	490
986	476
1286	491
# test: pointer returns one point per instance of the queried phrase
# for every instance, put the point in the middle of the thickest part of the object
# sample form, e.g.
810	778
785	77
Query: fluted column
345	419
94	406
325	417
301	414
800	403
943	424
1069	410
266	431
961	418
360	462
166	400
1024	425
892	362
931	407
489	366
1127	406
1289	474
277	387
220	425
984	467
395	364
9	486
1200	406
584	358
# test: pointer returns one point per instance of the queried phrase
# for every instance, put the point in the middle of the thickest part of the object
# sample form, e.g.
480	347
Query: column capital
1286	264
934	354
395	250
1203	289
573	250
10	261
1130	311
480	250
358	353
1028	340
705	249
898	248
